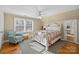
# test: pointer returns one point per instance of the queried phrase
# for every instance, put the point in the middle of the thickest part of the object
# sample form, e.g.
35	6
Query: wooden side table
70	38
27	36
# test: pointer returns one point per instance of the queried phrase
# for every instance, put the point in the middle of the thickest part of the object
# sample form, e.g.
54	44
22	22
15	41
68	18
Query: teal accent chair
15	37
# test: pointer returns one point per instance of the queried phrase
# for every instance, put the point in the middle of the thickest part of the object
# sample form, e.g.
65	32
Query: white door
74	29
1	28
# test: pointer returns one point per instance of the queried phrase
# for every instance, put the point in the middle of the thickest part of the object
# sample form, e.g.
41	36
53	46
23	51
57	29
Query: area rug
56	46
37	46
26	49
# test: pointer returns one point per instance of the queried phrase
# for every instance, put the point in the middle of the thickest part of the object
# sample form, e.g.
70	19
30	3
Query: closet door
74	29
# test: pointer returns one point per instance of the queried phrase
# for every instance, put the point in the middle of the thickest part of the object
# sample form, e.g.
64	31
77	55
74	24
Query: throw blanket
52	36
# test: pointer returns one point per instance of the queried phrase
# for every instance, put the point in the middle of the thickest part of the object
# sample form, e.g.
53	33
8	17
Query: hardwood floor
68	48
8	48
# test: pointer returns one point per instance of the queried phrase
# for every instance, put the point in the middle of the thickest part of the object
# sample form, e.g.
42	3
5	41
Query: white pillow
53	28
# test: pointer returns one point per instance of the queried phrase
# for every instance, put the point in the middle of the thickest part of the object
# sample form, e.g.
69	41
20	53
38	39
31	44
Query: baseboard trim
77	42
5	41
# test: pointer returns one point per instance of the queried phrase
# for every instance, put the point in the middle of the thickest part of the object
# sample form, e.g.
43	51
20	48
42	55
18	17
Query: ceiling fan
41	12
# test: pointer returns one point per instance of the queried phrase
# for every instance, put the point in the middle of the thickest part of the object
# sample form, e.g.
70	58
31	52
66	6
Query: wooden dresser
70	38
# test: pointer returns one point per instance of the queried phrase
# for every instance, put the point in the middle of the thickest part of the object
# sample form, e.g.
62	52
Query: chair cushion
18	37
19	33
11	33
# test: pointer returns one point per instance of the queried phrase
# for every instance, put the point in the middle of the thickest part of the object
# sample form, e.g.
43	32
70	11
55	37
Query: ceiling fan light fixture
39	17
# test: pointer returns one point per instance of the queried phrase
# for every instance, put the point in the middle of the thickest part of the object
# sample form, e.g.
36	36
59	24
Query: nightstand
70	38
27	36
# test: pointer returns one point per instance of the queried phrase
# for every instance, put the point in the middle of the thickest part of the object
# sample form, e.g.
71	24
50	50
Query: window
22	25
29	25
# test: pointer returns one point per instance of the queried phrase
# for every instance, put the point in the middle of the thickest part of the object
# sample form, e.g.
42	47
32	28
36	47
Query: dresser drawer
70	38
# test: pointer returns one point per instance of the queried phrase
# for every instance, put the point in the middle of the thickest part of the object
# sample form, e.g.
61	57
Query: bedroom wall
59	18
9	23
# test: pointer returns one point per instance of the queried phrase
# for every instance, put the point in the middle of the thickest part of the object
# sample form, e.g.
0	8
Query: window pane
29	25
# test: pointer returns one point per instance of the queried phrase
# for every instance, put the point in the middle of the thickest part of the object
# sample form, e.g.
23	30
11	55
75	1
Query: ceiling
32	10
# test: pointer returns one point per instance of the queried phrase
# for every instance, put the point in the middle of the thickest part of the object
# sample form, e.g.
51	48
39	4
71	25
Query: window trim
24	24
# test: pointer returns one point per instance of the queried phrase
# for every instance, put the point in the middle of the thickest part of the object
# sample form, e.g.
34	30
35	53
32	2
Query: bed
53	37
49	36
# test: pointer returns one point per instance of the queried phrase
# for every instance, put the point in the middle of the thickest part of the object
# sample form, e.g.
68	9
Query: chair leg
13	43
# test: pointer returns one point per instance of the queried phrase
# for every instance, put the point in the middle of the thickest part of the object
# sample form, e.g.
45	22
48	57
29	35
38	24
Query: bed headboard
54	27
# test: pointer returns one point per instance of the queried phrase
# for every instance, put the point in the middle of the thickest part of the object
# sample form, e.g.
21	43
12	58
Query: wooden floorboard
9	48
68	48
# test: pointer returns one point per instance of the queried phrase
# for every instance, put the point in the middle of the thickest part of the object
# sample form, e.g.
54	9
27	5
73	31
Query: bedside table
70	38
27	36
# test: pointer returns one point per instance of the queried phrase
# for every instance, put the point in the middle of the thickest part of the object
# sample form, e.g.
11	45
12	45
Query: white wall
1	27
